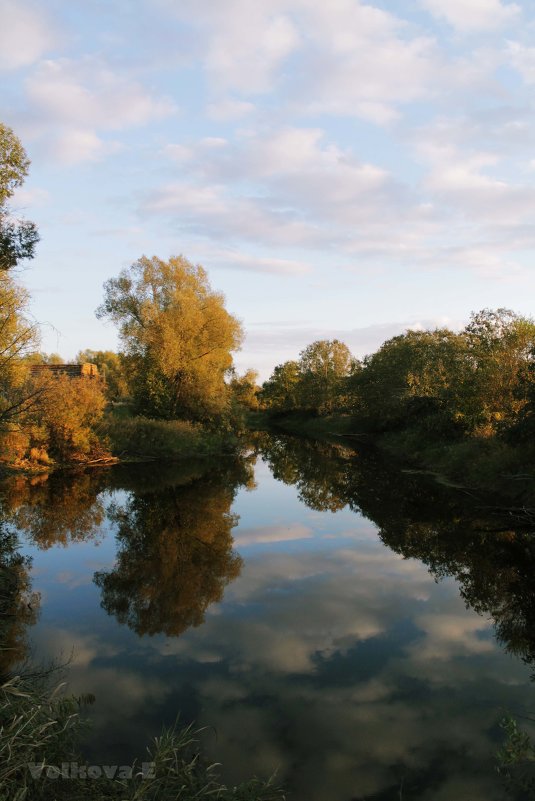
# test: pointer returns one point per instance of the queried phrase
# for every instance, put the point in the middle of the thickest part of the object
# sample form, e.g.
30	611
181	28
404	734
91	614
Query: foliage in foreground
42	727
516	758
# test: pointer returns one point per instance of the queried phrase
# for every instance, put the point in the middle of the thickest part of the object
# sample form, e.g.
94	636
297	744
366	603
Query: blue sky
342	169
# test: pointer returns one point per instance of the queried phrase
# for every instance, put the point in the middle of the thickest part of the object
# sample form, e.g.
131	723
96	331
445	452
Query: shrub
65	416
166	439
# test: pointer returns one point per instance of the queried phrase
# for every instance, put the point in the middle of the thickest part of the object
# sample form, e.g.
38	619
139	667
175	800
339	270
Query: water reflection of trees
174	533
18	604
320	479
489	551
175	553
54	509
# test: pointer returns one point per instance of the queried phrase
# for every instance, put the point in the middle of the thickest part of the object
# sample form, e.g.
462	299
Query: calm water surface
359	631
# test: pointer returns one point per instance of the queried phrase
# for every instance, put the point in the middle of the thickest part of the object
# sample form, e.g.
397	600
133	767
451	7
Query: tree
65	416
40	357
55	510
498	376
245	389
177	336
319	381
325	366
411	375
19	606
281	391
111	369
18	338
18	238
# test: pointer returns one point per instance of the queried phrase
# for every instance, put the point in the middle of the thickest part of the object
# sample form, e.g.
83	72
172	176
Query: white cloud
177	153
270	534
73	102
229	109
296	188
244	43
240	260
522	59
288	187
72	145
90	93
473	15
25	34
209	211
351	58
452	634
461	180
363	62
35	196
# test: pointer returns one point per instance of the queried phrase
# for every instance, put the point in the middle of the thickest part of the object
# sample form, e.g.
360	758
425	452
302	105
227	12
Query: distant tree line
478	381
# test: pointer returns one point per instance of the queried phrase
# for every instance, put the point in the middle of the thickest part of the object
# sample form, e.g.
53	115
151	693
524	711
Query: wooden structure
85	370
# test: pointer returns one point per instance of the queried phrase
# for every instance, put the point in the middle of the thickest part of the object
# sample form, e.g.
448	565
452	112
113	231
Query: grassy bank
145	438
39	734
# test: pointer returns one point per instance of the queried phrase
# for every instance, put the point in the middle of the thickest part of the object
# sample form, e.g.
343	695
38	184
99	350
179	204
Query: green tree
325	367
177	336
281	391
18	237
410	376
498	370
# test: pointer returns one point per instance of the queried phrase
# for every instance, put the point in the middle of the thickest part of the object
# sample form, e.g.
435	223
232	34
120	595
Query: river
357	629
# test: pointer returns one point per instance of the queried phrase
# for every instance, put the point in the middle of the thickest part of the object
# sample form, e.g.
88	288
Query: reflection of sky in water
331	659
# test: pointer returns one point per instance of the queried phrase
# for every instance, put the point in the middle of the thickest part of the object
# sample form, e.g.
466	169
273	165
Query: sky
342	169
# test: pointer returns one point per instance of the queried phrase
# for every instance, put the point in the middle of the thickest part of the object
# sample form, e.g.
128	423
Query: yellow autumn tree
177	337
64	419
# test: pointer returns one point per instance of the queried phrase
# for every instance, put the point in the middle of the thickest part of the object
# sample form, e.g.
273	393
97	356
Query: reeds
39	733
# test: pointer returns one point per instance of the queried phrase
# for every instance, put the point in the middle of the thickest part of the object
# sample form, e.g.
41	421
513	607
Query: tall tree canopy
325	366
177	336
18	237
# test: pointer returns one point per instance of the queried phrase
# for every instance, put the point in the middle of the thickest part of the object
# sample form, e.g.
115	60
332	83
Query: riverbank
480	463
127	440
